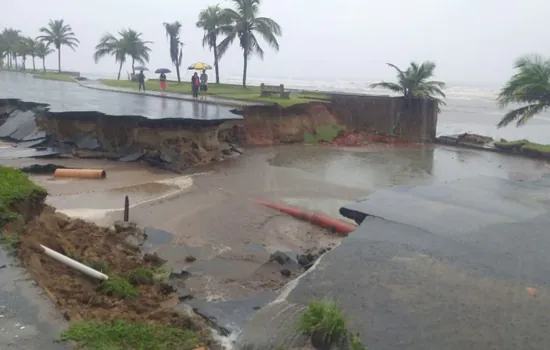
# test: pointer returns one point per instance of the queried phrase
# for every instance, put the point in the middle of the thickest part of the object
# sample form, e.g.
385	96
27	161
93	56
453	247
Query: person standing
204	81
195	83
162	82
141	81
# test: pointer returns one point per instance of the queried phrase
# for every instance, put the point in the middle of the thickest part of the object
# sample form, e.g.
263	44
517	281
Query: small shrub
126	335
119	288
324	322
10	241
141	275
98	265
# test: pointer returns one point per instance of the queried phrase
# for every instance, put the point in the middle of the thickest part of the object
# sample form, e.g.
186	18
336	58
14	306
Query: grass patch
125	335
98	265
10	241
323	133
55	76
118	287
228	91
525	147
325	323
141	275
15	187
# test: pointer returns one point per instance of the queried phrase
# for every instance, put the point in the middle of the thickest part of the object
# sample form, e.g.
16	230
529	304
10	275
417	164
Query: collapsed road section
172	143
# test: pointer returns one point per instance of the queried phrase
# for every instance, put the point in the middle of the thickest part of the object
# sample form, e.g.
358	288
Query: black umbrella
163	70
141	68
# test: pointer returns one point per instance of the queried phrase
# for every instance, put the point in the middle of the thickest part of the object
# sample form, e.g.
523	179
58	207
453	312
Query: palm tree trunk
133	69
44	64
245	66
59	60
119	69
216	68
33	64
15	60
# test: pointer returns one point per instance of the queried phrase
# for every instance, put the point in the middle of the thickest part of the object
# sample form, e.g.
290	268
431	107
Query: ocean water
470	107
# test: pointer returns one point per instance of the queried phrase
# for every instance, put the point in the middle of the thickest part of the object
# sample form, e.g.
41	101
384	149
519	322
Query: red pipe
334	225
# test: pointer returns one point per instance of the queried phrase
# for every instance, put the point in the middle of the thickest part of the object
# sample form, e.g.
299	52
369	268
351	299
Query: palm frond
522	114
388	86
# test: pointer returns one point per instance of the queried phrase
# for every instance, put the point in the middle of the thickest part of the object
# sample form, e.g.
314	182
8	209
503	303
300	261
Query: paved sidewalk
94	84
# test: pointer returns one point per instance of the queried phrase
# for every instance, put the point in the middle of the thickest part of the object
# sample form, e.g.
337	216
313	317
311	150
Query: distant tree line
530	86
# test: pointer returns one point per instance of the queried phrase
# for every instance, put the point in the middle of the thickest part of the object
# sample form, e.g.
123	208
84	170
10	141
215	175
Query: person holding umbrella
162	72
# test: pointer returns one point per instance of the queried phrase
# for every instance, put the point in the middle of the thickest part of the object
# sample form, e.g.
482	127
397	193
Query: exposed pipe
81	173
334	225
74	264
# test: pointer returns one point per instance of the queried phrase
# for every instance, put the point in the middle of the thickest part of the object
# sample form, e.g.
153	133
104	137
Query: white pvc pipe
74	264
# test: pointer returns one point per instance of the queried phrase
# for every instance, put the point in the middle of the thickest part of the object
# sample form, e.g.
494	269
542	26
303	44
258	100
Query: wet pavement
66	97
461	264
28	319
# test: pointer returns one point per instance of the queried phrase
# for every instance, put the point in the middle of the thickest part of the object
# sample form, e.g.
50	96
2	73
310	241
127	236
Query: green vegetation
325	323
325	320
323	133
126	335
141	275
414	83
214	21
229	91
58	34
176	46
530	86
245	25
98	265
525	147
15	187
128	44
118	287
55	76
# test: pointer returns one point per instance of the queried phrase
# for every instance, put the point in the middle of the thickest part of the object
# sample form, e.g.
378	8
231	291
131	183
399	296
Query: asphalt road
456	265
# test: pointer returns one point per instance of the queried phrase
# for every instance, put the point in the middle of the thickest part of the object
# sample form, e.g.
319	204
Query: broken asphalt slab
446	266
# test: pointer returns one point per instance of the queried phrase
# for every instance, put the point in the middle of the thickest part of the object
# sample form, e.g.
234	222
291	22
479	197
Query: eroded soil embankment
272	125
112	250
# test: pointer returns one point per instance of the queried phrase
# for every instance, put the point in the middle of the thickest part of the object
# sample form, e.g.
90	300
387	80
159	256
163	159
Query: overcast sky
470	40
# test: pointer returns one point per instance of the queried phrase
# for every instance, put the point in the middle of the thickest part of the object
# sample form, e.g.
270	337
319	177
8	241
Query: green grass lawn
229	91
524	146
54	76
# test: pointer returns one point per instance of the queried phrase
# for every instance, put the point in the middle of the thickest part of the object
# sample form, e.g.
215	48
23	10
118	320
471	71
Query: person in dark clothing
195	84
141	81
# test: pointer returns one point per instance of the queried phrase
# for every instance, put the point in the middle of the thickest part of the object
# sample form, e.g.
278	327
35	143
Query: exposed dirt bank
272	125
114	250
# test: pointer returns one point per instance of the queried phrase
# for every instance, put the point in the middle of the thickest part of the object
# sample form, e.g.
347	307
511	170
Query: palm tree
31	46
23	50
128	43
245	25
176	46
12	41
414	83
43	50
214	21
529	86
137	48
58	33
3	49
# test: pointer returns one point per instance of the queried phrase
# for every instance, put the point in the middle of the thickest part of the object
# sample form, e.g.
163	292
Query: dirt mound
78	296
